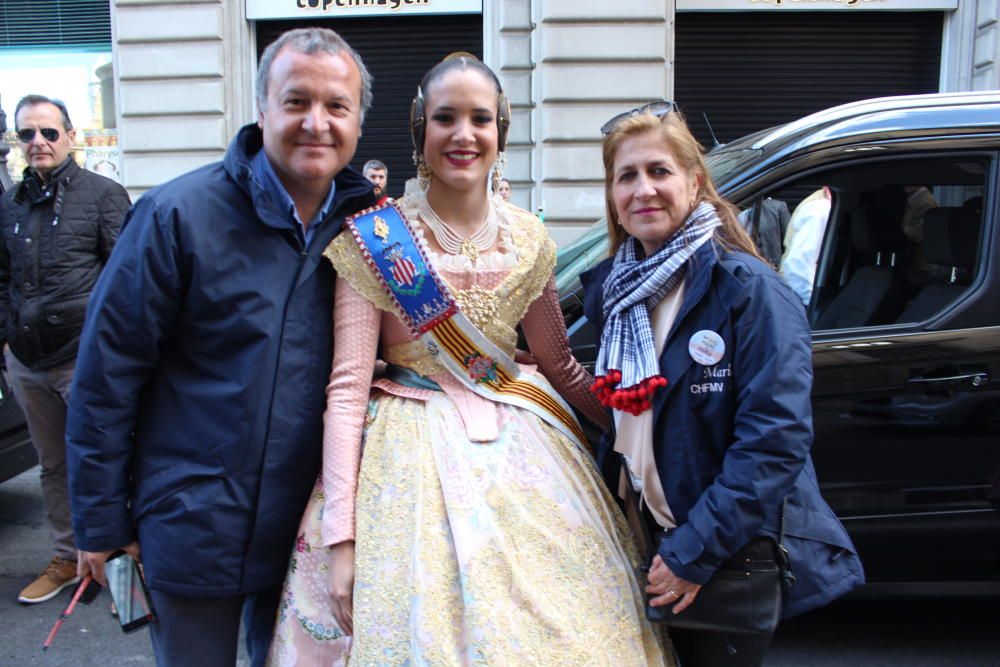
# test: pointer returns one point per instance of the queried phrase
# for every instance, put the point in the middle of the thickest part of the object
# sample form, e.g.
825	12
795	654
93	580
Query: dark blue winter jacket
195	423
732	440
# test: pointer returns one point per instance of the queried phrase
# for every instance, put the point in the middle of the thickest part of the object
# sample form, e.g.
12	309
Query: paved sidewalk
91	636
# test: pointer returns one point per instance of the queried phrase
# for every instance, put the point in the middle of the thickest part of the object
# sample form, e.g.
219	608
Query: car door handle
973	379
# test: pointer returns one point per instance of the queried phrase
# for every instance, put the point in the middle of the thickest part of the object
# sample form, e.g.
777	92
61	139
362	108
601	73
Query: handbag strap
784	563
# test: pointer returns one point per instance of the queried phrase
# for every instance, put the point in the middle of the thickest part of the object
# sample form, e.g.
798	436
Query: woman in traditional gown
471	531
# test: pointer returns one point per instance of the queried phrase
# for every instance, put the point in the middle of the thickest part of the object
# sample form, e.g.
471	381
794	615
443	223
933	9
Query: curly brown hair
688	153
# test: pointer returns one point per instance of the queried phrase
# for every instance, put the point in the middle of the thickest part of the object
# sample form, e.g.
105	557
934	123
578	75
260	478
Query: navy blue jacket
732	440
195	422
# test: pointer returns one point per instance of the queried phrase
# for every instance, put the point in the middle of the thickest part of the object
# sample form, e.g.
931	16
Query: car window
879	243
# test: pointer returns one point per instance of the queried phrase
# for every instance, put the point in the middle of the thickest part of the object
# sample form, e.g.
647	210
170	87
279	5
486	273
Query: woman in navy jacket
705	360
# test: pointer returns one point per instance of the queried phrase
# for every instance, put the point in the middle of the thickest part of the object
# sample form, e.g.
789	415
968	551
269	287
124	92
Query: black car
16	451
906	324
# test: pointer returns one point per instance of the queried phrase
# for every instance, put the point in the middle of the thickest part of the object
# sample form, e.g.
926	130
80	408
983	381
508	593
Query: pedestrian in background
705	359
58	226
503	189
376	172
196	418
803	240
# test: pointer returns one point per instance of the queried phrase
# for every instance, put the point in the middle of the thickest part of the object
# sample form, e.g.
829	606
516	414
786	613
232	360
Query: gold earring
498	168
424	172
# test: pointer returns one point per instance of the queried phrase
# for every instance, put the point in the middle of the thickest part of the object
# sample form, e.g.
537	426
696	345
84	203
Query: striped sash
427	307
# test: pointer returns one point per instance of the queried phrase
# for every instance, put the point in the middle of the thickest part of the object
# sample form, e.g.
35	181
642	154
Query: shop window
888	243
84	81
60	49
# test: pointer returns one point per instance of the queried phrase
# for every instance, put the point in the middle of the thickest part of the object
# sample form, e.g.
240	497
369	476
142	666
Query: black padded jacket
56	238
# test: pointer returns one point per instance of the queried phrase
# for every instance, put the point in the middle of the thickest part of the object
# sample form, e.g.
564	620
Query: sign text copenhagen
296	9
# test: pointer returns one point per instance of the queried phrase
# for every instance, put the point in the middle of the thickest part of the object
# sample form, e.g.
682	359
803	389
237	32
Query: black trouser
699	648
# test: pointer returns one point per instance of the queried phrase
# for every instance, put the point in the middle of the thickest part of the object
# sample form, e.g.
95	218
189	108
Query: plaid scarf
628	372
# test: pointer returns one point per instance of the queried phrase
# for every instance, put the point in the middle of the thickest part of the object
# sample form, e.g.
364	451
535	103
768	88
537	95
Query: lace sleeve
355	343
545	331
344	254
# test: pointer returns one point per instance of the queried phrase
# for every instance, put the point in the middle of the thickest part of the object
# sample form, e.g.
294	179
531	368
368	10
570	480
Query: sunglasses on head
27	135
658	109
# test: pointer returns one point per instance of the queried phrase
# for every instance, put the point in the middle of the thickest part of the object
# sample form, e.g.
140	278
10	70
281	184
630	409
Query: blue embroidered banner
387	242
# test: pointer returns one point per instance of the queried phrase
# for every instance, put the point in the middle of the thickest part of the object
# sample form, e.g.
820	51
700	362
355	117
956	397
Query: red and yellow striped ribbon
459	347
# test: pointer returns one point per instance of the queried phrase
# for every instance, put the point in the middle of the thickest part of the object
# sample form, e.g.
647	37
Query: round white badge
707	347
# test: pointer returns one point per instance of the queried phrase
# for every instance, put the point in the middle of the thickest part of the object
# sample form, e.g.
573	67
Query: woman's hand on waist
667	588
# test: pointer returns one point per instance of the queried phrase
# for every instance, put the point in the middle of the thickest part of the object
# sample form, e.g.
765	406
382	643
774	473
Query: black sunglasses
27	135
658	109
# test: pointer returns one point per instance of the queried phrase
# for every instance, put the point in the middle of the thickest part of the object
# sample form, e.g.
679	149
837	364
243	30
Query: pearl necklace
453	244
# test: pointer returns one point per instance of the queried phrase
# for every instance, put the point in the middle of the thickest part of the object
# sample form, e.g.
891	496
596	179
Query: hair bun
454	55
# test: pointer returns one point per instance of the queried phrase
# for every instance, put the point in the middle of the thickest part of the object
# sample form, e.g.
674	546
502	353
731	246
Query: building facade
184	71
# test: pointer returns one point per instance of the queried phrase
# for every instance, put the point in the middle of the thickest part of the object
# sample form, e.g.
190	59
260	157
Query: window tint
892	242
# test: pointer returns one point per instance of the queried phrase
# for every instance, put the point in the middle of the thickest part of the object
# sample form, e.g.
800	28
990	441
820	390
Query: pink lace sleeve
545	330
355	344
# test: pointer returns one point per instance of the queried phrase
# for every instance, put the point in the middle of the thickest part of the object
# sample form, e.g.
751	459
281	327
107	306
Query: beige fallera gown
483	535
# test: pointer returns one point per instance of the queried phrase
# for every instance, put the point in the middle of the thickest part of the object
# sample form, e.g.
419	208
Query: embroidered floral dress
483	535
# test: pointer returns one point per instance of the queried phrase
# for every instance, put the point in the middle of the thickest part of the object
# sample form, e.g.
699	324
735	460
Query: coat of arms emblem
403	270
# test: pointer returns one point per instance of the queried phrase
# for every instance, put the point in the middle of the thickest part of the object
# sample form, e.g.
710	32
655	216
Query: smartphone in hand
128	590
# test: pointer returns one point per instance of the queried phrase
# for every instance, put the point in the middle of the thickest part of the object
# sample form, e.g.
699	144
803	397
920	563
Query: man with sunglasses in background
58	227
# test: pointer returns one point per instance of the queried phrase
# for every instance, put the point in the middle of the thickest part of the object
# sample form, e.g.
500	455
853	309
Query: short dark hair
374	164
310	41
32	100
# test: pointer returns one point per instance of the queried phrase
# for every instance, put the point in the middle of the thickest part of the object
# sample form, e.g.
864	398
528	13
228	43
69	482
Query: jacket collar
33	189
353	191
696	281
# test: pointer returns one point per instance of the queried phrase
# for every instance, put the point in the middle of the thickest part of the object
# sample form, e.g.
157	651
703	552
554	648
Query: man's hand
669	588
92	562
341	583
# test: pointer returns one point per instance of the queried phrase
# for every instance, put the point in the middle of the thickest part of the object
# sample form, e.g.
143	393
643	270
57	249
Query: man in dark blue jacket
195	424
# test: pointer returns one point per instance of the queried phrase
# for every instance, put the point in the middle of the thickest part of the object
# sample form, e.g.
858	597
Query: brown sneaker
58	575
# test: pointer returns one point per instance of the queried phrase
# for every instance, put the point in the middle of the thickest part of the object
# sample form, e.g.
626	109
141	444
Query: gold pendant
470	250
381	229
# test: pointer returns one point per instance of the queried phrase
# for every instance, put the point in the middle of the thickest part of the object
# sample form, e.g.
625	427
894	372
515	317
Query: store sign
296	9
814	5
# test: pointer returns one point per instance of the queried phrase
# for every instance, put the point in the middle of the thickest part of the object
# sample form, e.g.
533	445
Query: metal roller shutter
397	52
749	71
32	24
